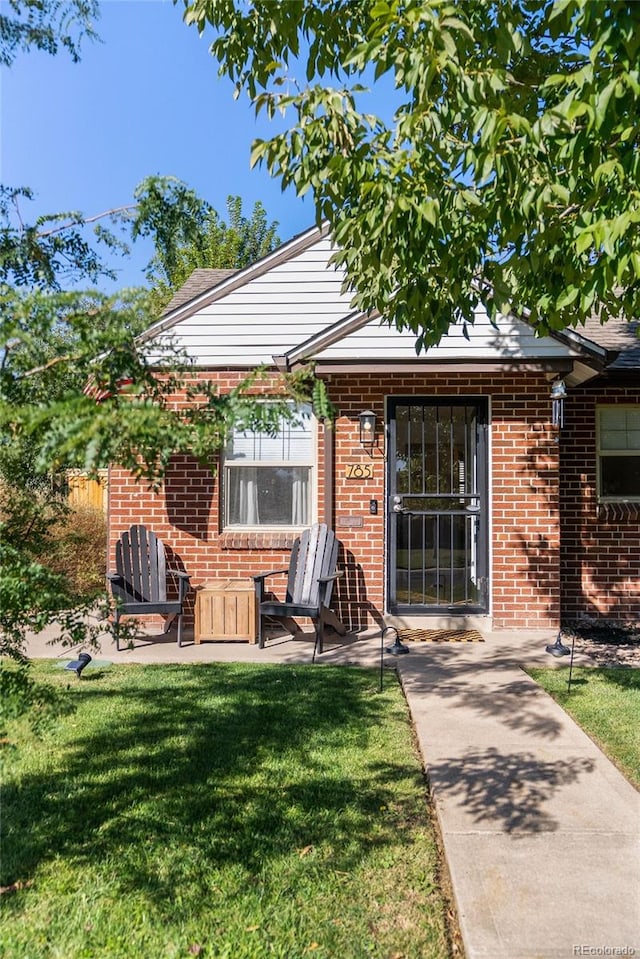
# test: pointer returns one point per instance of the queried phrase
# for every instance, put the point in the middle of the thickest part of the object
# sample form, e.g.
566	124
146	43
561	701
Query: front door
437	506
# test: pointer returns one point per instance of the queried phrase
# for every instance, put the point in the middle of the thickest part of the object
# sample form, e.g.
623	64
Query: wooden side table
226	611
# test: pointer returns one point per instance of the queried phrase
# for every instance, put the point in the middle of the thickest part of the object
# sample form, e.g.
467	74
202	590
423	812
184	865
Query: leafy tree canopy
47	25
76	389
56	340
187	232
55	249
190	234
509	172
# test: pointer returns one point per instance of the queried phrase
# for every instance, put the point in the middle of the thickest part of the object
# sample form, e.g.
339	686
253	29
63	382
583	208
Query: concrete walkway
541	832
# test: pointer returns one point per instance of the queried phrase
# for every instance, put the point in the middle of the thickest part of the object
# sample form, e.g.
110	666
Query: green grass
606	703
220	811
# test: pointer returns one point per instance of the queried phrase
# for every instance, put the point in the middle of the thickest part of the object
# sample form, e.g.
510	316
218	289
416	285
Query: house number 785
359	471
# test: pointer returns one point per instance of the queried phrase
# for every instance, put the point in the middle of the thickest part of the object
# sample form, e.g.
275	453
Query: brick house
463	504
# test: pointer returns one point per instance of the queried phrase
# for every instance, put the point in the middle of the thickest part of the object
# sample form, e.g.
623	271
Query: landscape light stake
573	646
397	647
558	649
79	664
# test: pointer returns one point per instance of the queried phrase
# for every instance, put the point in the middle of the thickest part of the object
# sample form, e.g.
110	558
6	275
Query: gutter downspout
281	363
329	485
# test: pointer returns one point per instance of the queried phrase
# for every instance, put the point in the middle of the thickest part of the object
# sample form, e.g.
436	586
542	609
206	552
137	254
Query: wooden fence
82	491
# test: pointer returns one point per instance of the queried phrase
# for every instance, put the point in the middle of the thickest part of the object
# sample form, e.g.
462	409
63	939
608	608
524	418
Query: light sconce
367	428
558	393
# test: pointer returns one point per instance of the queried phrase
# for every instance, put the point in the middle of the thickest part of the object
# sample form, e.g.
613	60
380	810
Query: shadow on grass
221	765
622	676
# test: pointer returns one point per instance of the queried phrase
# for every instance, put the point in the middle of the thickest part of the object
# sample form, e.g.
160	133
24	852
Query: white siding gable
509	338
291	304
266	316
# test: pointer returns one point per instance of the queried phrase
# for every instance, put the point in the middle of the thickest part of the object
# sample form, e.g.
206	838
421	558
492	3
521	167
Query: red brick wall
524	472
525	540
600	557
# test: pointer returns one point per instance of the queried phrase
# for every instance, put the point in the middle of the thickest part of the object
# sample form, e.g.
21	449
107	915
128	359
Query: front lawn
606	703
226	811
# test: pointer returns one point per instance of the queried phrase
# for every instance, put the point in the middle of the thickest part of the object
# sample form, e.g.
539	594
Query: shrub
78	550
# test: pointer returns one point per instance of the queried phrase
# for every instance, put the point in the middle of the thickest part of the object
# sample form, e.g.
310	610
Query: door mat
440	636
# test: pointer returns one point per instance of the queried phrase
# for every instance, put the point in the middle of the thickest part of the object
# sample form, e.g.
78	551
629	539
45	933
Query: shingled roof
200	281
618	336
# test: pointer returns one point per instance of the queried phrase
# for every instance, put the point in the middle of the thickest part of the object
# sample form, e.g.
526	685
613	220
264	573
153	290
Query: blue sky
146	100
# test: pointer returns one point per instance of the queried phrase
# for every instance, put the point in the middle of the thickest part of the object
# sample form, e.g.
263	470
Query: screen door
437	506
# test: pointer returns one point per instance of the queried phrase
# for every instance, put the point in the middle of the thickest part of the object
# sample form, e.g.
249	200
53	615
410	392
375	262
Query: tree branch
83	221
54	361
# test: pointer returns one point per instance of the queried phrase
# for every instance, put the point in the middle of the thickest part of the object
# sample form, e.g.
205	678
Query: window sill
618	510
264	539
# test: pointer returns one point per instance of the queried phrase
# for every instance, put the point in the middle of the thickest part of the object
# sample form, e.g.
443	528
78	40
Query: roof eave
305	351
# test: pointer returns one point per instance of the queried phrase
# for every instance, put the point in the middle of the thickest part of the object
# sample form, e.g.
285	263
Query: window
268	477
619	453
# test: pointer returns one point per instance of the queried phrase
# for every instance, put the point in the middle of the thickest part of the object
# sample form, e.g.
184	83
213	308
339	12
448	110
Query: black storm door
437	506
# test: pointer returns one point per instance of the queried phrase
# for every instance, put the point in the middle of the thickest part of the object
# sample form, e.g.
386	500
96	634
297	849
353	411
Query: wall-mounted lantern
558	393
367	428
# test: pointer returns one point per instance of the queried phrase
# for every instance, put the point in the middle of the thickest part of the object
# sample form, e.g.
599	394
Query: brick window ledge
266	540
616	512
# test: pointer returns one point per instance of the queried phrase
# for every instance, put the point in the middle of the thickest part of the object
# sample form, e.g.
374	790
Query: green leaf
455	23
258	150
606	169
584	241
379	9
568	296
602	101
518	104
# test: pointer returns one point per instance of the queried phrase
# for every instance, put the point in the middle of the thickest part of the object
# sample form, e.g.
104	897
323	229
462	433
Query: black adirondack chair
139	585
312	573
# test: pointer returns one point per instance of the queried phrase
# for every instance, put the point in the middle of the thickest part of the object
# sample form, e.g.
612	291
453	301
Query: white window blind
268	478
293	443
619	453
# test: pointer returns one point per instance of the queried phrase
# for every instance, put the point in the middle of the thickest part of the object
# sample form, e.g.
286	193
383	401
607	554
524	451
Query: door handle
397	505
